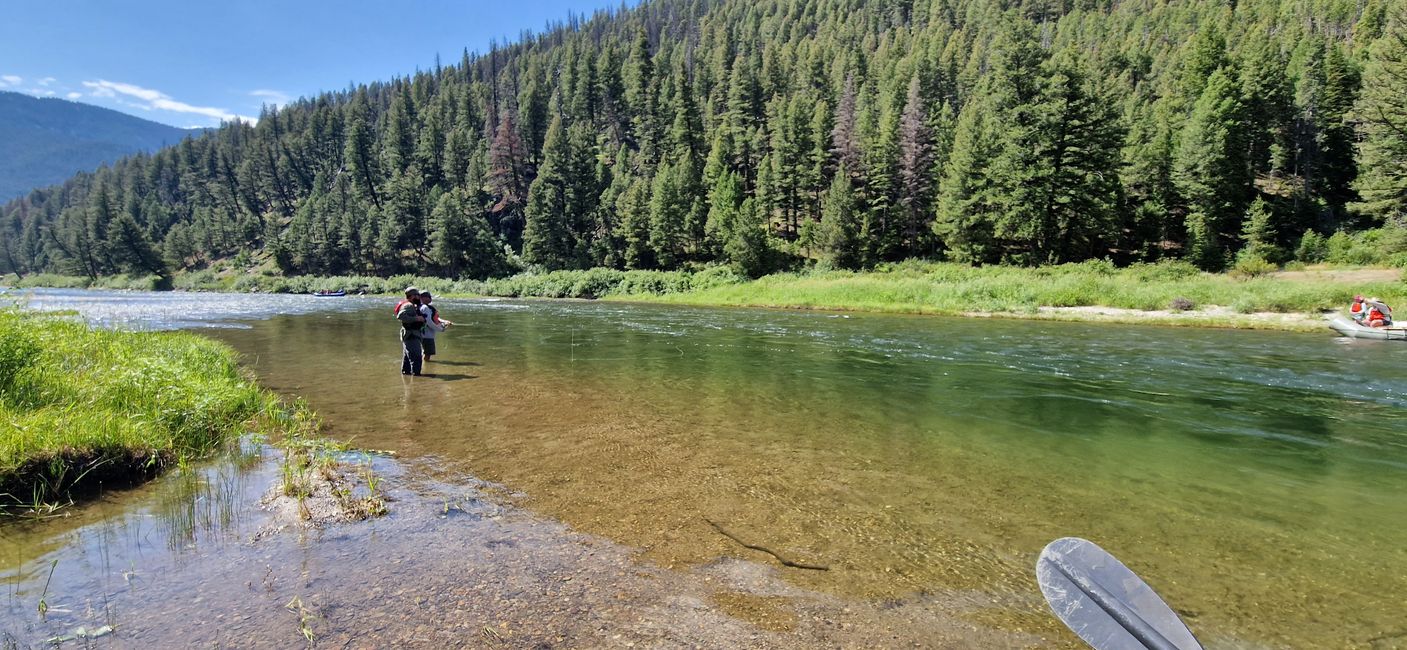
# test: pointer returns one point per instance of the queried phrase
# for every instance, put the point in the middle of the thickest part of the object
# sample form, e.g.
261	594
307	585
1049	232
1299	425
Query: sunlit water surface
1255	479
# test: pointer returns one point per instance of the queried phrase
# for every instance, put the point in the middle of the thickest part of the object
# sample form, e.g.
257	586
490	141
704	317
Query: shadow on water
456	363
446	376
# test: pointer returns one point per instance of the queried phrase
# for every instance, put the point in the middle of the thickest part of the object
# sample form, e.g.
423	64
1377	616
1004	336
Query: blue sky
194	63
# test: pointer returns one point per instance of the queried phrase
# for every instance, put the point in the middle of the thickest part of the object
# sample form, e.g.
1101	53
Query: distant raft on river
1348	327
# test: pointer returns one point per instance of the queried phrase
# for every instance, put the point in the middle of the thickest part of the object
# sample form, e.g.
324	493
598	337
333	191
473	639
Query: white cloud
276	98
74	95
40	92
10	80
46	81
157	100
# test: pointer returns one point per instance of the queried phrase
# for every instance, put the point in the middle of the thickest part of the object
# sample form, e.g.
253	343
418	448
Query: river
1254	479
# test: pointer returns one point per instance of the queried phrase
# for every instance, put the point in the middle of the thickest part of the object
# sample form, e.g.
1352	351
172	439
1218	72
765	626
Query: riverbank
1169	293
86	408
1163	294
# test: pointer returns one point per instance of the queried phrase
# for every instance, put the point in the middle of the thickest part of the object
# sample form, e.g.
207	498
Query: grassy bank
83	407
1170	292
592	283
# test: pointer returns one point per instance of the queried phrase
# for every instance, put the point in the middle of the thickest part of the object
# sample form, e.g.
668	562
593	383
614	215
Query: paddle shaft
1126	617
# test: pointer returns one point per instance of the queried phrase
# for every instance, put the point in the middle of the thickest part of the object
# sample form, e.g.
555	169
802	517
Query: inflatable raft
1347	327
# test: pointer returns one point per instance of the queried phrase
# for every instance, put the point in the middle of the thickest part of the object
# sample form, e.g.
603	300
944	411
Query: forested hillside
774	133
44	141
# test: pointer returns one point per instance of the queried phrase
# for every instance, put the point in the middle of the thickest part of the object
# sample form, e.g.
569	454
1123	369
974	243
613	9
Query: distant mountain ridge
44	141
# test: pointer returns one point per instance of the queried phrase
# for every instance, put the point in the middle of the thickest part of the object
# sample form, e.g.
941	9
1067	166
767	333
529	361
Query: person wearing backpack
412	332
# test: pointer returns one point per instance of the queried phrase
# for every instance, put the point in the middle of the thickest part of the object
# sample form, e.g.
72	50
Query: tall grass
941	288
80	406
590	283
912	286
120	281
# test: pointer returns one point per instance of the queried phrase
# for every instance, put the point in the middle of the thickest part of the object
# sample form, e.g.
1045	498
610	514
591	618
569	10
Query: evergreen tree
670	206
845	136
547	238
1204	55
916	160
748	247
635	211
840	224
463	245
398	144
361	161
725	201
607	245
966	198
131	249
405	202
1210	171
1260	234
507	181
1381	114
1269	106
1341	84
1077	144
882	230
790	176
1149	194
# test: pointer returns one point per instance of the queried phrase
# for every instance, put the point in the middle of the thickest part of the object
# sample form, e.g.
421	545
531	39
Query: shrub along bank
907	287
940	288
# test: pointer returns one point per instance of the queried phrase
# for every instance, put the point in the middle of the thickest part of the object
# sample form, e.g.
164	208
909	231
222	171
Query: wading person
433	323
412	326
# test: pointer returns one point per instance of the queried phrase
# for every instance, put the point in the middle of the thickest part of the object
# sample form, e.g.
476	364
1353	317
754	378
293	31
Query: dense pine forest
772	134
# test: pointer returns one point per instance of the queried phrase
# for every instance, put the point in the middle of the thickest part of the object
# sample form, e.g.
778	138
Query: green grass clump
120	281
943	288
923	287
589	283
598	283
80	406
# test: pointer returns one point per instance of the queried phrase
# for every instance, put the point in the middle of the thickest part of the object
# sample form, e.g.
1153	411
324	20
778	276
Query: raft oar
1101	600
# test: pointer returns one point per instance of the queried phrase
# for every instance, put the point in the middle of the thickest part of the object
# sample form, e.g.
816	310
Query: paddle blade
1103	602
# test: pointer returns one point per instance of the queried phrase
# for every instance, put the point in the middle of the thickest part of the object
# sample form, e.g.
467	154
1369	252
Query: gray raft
1348	327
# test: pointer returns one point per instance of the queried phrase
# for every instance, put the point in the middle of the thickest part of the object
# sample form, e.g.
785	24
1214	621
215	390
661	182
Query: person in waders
412	327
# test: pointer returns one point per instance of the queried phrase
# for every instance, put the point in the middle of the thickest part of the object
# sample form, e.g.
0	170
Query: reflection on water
1253	478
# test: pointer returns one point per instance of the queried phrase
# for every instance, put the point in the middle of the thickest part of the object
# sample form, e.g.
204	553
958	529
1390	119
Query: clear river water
1257	480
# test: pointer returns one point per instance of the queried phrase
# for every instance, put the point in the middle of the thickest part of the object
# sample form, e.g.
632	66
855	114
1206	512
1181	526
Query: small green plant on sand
305	619
312	462
44	595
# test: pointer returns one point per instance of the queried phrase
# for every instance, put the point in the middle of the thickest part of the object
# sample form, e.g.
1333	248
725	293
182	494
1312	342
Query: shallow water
1254	479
